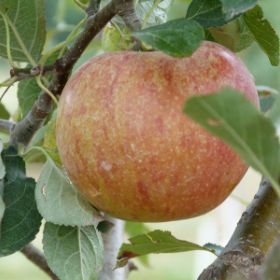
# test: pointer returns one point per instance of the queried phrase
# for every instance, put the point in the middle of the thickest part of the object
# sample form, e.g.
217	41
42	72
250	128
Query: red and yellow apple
126	144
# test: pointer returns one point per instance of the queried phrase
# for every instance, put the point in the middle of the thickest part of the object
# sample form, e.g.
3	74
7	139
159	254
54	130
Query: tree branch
112	242
131	20
35	256
254	235
25	129
6	126
271	266
30	72
128	14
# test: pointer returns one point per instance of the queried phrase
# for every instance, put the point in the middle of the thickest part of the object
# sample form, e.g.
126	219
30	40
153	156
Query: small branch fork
23	131
30	72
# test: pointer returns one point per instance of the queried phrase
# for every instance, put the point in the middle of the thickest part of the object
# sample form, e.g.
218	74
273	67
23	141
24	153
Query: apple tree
44	42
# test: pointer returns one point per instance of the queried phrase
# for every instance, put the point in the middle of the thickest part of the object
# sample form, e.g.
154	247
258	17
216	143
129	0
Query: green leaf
267	97
2	167
234	8
133	229
21	220
2	174
59	201
4	114
154	242
264	34
73	252
28	92
230	116
2	209
274	113
152	11
116	39
49	143
266	102
207	12
177	37
27	17
234	35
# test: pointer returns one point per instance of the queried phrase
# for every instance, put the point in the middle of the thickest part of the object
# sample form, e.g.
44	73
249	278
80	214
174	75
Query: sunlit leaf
73	252
154	242
59	201
234	119
177	38
28	18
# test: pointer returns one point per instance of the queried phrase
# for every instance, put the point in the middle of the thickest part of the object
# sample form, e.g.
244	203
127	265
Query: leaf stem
44	88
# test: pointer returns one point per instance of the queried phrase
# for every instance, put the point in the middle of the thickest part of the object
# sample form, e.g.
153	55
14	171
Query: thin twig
35	256
30	72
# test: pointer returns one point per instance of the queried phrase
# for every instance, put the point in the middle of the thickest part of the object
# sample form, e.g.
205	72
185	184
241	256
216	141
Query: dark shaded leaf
4	114
21	220
234	35
177	37
264	34
207	12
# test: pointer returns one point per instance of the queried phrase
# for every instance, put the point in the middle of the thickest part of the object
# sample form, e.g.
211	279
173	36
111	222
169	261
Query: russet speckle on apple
129	148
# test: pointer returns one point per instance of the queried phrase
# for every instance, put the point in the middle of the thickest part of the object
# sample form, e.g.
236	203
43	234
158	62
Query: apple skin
126	144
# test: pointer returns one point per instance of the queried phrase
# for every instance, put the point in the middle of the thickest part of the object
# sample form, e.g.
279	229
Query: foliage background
214	227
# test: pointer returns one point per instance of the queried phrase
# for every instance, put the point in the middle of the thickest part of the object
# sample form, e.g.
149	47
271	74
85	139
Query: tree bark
112	242
256	231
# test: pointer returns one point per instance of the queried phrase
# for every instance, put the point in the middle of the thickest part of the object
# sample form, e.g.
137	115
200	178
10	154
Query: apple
126	144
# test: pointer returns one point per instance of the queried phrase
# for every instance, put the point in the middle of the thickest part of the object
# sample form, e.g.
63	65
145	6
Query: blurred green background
216	226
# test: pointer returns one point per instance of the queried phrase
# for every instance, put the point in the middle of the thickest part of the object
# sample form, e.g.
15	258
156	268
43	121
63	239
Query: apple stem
256	232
